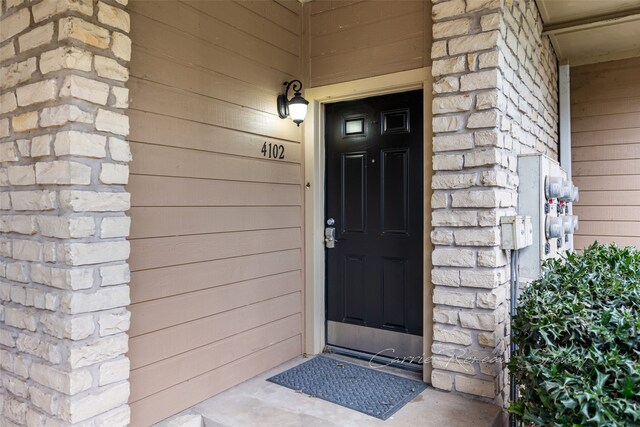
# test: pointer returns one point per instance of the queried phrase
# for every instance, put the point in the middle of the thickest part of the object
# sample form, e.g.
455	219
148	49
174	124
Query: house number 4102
273	151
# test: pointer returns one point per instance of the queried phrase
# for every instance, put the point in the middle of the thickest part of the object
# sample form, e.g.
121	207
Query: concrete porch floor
260	403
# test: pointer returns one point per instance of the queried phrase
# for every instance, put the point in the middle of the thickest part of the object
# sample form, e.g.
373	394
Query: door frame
314	200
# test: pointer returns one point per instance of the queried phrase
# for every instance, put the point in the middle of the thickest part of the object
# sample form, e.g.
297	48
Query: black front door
374	199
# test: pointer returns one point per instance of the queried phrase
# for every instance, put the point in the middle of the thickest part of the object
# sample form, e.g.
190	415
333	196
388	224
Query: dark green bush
577	332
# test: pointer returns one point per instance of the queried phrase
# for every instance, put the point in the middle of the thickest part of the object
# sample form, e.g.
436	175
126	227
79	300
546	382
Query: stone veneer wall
495	96
63	249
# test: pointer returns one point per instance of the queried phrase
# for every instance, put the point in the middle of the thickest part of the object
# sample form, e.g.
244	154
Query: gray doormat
369	391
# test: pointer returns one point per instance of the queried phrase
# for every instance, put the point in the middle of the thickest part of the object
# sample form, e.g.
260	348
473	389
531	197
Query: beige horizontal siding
356	39
216	234
605	121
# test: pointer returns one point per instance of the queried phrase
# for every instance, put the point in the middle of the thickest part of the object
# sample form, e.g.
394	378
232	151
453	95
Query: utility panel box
545	194
517	232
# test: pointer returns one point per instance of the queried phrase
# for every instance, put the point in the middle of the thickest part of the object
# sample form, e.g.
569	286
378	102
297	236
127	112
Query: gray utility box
545	194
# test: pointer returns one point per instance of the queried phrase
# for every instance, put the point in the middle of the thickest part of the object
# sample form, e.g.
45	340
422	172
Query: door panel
374	192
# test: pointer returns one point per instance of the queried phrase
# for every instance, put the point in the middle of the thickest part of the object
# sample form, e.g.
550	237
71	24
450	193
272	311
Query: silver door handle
330	237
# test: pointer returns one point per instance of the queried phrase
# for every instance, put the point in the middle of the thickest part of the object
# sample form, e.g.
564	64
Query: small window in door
396	121
353	126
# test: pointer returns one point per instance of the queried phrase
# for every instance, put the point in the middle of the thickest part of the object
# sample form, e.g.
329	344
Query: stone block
73	28
453	364
453	65
447	162
63	114
473	43
446	84
447	9
451	104
83	144
447	123
110	69
17	73
36	345
480	199
456	27
476	5
484	278
93	253
25	122
484	119
21	175
66	227
85	201
114	323
105	399
103	299
27	250
68	327
488	79
7	51
486	321
65	57
445	277
490	22
478	237
14	24
37	37
8	102
442	380
113	16
442	237
454	298
47	8
66	382
454	219
112	173
84	88
98	351
109	121
455	142
119	150
40	200
111	227
21	318
74	279
63	172
120	97
453	257
451	335
453	181
492	257
439	200
115	275
121	46
443	315
112	372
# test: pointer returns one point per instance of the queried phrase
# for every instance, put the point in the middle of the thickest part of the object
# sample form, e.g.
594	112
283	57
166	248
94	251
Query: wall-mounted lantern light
295	107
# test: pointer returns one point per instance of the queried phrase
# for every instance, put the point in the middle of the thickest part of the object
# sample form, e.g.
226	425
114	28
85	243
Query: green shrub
577	332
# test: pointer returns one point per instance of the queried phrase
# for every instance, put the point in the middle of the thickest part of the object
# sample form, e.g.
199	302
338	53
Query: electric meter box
545	195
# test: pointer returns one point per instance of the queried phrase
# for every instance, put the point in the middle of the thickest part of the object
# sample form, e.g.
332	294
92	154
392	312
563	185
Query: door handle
330	237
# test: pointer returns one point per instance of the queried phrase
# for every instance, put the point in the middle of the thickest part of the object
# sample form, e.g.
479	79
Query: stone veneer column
494	97
63	248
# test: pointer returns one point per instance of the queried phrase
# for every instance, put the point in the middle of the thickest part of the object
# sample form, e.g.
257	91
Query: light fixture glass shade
298	109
